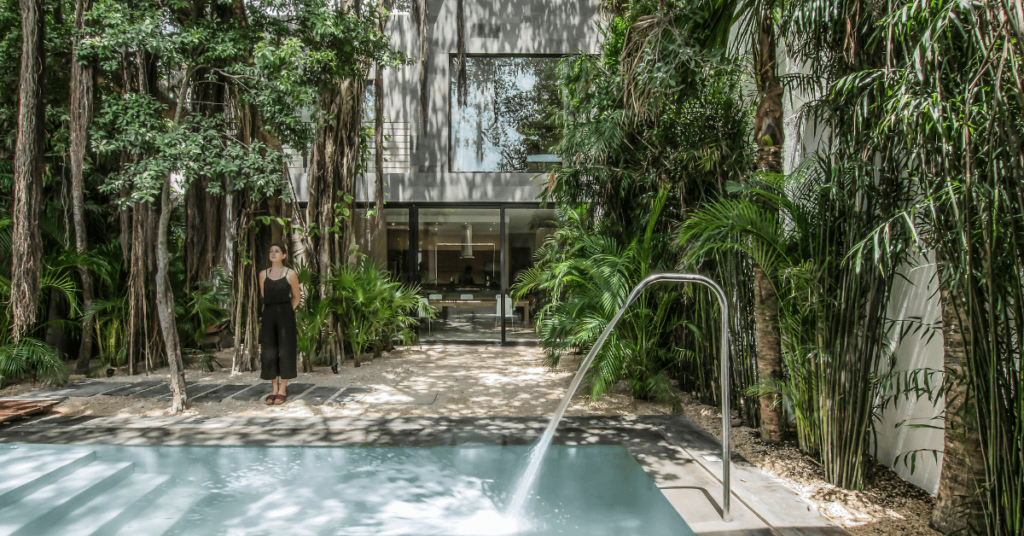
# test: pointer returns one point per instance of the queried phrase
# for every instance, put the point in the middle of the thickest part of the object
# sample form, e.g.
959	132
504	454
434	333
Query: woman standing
279	286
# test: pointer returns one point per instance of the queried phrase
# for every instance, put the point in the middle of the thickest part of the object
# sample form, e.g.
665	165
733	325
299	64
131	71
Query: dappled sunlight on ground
428	381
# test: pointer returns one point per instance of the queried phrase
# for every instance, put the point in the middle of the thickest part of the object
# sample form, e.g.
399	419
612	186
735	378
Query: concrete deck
682	459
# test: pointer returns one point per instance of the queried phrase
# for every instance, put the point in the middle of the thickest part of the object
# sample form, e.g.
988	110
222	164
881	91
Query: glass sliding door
459	269
525	232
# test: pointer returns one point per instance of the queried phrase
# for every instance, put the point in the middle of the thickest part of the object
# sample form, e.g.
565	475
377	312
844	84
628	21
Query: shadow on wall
506	28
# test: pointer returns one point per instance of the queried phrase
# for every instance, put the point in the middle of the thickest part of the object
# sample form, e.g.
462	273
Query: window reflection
505	121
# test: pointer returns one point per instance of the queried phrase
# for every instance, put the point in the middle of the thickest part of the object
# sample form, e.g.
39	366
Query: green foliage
651	111
589	277
372	308
834	338
203	306
658	112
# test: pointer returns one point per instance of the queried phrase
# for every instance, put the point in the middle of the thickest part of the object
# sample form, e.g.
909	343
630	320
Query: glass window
525	232
505	121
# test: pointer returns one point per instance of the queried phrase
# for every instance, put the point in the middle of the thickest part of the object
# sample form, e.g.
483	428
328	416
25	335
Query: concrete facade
419	169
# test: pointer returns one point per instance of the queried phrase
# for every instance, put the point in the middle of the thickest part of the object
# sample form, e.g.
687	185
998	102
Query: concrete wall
520	27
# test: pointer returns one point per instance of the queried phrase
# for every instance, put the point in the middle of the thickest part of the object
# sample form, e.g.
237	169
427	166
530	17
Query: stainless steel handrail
726	417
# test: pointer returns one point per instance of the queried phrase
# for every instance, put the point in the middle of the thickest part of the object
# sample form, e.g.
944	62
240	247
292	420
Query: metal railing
726	416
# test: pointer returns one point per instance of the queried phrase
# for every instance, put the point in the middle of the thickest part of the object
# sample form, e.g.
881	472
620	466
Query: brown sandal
271	399
279	399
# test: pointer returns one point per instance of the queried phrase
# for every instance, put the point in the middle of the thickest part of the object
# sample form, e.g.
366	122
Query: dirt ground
480	381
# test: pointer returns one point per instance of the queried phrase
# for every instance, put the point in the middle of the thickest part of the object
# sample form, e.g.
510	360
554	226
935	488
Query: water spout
519	493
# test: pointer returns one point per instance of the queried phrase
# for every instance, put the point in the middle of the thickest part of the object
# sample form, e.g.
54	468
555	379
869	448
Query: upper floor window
505	120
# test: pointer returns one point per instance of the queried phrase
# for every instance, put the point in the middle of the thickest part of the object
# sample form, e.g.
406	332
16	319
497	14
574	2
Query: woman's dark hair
283	250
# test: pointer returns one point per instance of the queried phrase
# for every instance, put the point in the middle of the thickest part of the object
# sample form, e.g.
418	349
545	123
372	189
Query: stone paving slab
220	393
193	390
74	390
165	391
349	394
317	395
260	391
133	388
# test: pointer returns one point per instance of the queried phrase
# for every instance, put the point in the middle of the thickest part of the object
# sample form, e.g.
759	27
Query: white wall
914	299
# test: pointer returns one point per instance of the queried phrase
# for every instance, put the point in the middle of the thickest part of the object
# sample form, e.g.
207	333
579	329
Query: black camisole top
277	291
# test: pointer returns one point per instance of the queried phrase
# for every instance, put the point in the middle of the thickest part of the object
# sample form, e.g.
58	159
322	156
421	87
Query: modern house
462	208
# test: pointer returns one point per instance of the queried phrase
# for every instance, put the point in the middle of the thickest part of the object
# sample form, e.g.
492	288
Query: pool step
163	514
47	507
68	492
111	510
24	473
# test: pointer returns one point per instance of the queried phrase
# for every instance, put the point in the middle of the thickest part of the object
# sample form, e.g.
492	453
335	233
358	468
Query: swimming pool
194	490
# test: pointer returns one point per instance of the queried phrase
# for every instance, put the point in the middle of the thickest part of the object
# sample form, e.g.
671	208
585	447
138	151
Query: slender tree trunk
379	222
26	251
769	354
332	180
769	131
164	295
81	115
165	304
421	17
963	468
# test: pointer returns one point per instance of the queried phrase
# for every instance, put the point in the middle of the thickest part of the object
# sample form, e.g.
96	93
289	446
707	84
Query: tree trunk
769	354
165	304
963	469
204	212
379	222
81	115
769	133
164	295
332	180
145	343
26	251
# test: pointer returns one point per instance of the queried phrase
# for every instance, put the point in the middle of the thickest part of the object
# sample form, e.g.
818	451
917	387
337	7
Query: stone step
133	388
220	393
163	514
24	474
110	511
316	395
48	506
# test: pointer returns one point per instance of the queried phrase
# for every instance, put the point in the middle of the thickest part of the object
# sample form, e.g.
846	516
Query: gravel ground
480	381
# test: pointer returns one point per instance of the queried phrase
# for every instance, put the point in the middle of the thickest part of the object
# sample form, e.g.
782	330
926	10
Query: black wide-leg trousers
278	342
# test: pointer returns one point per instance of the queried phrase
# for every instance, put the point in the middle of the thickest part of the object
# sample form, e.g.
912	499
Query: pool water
586	490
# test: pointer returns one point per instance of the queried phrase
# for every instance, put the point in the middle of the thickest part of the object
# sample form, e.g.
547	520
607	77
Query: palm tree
756	23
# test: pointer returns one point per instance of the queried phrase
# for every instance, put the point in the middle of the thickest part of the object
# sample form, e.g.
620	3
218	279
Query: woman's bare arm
263	275
293	279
